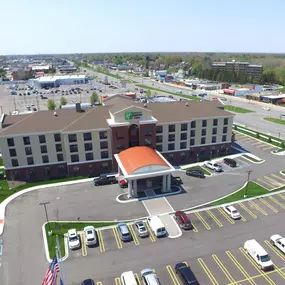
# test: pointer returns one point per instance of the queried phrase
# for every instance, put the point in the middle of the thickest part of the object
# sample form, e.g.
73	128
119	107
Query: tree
63	101
93	98
51	104
148	93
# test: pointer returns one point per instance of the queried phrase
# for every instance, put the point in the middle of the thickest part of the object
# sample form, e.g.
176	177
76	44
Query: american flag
51	274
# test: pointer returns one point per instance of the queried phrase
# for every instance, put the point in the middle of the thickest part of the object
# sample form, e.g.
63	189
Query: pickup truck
105	180
278	241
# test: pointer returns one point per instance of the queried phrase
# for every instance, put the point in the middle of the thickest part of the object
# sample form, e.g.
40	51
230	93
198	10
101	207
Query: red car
183	220
123	183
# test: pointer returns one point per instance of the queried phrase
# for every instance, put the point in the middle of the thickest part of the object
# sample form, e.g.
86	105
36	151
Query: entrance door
134	135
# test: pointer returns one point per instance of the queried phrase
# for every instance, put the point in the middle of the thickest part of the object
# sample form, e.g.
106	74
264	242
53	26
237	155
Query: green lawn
206	172
275	120
1	161
251	158
283	171
59	229
237	109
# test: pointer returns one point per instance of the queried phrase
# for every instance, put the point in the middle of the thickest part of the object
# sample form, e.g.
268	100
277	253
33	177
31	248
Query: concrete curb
179	230
253	157
282	173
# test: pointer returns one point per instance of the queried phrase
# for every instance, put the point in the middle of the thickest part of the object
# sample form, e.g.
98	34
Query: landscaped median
237	109
275	120
252	158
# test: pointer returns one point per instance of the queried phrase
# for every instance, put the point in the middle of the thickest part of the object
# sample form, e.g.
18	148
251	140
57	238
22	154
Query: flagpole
58	255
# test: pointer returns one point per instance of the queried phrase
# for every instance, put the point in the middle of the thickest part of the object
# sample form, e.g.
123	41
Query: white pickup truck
278	241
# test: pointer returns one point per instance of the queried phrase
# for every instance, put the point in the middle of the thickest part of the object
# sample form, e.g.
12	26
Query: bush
269	140
257	135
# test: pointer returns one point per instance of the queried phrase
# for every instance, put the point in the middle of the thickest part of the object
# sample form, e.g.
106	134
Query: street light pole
248	176
44	204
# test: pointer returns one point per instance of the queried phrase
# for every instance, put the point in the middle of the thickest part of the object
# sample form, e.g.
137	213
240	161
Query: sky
101	26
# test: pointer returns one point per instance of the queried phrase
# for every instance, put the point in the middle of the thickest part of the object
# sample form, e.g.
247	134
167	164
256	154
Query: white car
141	229
232	212
73	239
90	235
214	166
278	241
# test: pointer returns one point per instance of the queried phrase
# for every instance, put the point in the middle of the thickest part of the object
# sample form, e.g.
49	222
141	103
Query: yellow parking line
151	235
258	208
185	262
224	269
268	205
268	147
274	249
83	245
118	281
194	228
99	283
172	275
274	182
268	279
214	218
208	272
101	241
277	177
277	202
247	210
202	221
241	269
118	240
258	143
226	216
265	182
133	234
281	196
138	279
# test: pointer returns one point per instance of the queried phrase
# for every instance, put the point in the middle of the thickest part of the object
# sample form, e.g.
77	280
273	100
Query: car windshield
73	238
235	212
142	229
90	239
125	234
217	165
89	232
265	258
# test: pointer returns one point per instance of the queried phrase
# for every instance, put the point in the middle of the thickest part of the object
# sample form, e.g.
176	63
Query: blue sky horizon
61	27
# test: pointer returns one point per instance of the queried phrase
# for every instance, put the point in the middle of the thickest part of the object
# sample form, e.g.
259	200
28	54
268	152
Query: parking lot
271	181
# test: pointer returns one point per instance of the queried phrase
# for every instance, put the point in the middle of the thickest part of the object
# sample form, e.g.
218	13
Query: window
72	138
214	139
203	140
192	133
224	138
183	136
158	139
104	144
170	157
183	155
30	160
59	157
58	147
43	149
171	128
183	145
26	140
28	150
202	151
13	152
215	122
147	142
73	148
159	147
214	131
57	137
10	142
184	127
104	154
204	132
105	165
193	124
15	162
148	132
171	146
42	139
192	141
88	146
226	121
89	156
87	136
159	129
45	159
204	123
171	138
74	158
103	135
225	130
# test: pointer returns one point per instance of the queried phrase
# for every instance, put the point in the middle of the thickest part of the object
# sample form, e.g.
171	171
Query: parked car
124	232
195	173
88	282
213	166
90	235
104	180
183	220
231	162
185	274
123	183
149	277
73	239
232	212
176	180
278	241
141	229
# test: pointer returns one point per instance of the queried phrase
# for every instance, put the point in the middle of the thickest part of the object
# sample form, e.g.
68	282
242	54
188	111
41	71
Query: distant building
22	74
41	68
66	68
239	67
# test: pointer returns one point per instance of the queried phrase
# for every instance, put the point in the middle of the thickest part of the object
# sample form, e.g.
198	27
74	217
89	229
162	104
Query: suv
230	162
148	277
105	180
182	220
185	274
73	239
90	235
213	166
124	232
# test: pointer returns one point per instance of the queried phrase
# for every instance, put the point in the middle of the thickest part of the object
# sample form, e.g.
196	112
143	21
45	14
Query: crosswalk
271	181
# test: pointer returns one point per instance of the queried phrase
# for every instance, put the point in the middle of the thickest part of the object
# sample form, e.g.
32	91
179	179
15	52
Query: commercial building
52	144
66	68
22	74
239	67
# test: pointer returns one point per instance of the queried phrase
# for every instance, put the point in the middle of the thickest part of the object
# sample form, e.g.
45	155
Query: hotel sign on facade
132	115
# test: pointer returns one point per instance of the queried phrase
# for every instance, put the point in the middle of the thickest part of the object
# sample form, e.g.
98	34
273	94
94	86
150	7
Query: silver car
141	229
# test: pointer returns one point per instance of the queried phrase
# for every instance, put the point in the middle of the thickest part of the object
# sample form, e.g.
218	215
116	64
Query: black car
88	282
185	274
231	162
195	173
105	180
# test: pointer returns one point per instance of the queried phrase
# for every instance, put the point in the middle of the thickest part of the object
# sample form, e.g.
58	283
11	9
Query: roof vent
187	104
145	105
54	113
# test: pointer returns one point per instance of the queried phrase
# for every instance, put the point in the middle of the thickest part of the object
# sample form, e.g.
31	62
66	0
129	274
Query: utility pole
1	107
15	106
38	105
44	204
248	176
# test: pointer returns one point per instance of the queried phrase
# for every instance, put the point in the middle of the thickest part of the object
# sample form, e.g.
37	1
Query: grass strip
237	109
206	172
252	158
1	161
275	120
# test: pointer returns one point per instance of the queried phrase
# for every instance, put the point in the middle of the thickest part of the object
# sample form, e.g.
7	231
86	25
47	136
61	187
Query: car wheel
96	184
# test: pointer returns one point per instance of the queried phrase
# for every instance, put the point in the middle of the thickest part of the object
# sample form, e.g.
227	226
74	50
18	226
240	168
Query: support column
164	185
130	184
135	188
168	187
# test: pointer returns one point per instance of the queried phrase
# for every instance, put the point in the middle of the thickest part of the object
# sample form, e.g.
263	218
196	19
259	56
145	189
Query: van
259	254
157	226
128	278
148	277
186	274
